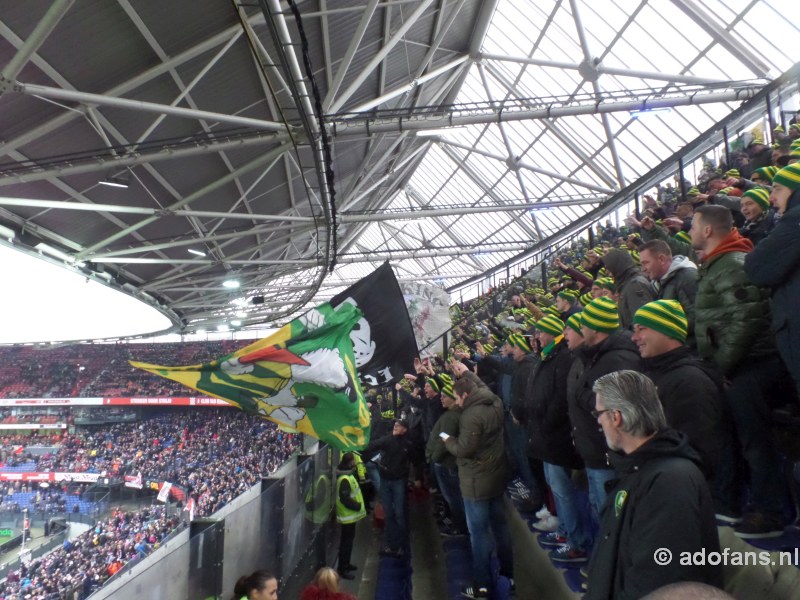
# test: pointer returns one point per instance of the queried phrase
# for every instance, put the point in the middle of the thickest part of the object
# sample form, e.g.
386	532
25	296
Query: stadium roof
455	133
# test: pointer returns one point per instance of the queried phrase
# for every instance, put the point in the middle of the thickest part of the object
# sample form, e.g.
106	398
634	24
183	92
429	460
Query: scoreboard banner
165	401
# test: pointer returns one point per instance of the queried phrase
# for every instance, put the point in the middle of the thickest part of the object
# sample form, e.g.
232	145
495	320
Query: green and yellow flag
303	377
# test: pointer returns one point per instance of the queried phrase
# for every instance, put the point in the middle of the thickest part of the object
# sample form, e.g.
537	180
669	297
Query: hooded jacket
661	500
680	283
757	230
546	415
615	353
691	394
732	315
479	448
776	263
633	288
435	450
523	371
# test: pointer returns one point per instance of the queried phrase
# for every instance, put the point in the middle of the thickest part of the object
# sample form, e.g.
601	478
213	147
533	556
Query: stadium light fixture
231	284
118	181
195	252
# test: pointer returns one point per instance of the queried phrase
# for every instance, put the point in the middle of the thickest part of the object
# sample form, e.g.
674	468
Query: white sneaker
547	524
543	512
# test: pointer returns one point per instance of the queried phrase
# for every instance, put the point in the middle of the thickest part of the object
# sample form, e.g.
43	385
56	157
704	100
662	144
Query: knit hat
434	383
447	390
568	295
664	316
693	191
601	315
607	283
518	341
788	177
759	195
574	322
766	173
584	299
550	324
683	237
735	172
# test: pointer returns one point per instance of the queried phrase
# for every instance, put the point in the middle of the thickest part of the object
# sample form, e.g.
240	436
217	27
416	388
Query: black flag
383	340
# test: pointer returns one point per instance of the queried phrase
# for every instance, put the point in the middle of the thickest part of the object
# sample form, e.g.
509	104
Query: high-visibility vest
318	500
344	514
361	468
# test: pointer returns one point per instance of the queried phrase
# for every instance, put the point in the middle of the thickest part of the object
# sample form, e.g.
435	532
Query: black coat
523	371
395	455
615	353
660	501
691	394
775	263
545	413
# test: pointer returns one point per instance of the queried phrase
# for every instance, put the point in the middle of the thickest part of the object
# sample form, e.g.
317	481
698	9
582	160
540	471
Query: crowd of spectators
86	562
694	294
100	370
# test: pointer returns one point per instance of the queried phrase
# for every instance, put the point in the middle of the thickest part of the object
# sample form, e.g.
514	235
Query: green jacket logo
619	502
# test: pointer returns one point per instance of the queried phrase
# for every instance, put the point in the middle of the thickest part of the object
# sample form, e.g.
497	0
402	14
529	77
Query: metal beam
459	252
37	37
654	75
337	104
443	120
32	89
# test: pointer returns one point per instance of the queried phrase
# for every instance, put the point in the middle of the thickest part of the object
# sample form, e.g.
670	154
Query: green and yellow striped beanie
574	322
664	316
447	390
519	341
568	295
550	324
601	315
788	177
584	299
434	383
607	283
693	191
758	195
735	172
766	173
683	237
552	310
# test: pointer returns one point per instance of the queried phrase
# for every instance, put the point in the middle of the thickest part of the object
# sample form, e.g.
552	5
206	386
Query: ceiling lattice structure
459	133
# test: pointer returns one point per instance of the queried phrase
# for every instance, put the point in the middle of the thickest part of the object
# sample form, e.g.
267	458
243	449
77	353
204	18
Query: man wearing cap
673	277
633	289
546	417
759	219
444	464
482	472
567	303
776	263
690	389
605	349
395	458
732	331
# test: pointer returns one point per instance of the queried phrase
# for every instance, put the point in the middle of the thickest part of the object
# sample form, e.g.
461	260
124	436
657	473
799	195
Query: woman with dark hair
325	587
261	585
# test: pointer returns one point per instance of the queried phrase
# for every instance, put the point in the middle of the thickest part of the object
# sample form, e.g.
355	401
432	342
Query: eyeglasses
596	413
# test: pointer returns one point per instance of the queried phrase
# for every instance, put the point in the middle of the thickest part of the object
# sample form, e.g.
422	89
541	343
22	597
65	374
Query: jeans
517	439
486	517
374	475
748	401
394	499
597	490
567	506
451	490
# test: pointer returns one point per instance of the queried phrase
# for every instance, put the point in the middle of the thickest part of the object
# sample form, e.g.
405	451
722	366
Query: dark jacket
691	394
633	288
523	371
479	449
732	314
395	455
757	230
504	367
615	353
546	415
435	450
775	263
660	501
680	283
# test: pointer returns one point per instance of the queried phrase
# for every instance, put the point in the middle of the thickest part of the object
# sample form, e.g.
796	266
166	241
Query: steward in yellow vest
349	510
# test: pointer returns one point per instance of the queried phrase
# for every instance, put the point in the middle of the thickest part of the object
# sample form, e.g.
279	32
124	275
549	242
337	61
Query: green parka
733	315
479	449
